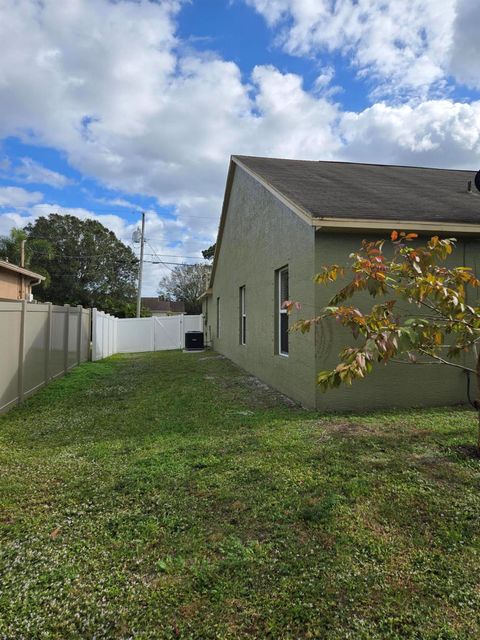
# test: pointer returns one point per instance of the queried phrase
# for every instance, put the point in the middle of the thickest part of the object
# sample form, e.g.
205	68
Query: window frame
243	315
282	312
218	317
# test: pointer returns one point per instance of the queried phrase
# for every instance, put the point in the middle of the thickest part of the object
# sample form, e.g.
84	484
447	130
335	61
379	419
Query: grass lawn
168	495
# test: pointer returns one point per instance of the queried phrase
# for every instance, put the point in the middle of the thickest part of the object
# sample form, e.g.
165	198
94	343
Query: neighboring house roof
369	197
155	304
20	270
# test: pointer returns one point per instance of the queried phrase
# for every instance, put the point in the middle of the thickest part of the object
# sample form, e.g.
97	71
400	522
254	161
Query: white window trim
281	311
243	316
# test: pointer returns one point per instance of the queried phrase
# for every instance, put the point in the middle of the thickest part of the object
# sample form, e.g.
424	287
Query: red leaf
394	235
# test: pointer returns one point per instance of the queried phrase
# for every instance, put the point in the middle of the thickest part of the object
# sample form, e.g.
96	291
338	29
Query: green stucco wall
394	385
260	236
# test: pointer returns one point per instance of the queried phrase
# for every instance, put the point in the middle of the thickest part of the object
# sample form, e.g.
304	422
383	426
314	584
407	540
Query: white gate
167	333
134	335
159	333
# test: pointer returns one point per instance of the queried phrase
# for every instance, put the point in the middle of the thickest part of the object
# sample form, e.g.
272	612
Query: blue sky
110	108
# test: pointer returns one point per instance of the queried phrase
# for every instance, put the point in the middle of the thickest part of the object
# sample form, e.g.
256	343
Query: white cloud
117	202
109	85
33	172
18	198
465	52
434	133
409	45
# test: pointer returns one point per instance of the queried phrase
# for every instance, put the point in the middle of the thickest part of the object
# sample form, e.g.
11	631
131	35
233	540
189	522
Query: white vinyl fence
38	342
104	335
134	335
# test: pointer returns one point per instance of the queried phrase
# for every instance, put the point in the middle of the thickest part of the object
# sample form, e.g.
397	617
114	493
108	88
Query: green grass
169	496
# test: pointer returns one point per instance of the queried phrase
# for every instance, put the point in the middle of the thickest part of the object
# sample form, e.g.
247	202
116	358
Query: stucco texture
260	236
393	385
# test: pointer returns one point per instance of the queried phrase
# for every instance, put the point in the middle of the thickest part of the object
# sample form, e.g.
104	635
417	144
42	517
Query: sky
109	108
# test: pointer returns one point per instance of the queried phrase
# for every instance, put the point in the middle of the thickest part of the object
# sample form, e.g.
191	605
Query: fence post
21	351
66	337
103	334
94	334
79	337
48	342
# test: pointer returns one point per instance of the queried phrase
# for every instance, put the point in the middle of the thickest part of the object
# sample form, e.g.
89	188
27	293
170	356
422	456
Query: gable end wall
260	236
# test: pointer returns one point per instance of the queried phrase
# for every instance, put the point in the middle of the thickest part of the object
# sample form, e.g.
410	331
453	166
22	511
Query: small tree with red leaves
442	329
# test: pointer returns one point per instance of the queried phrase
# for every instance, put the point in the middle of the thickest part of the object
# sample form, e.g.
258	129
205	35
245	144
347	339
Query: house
159	307
16	282
282	220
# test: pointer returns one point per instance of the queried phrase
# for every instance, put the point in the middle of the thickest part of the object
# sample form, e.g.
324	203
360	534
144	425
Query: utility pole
140	269
22	264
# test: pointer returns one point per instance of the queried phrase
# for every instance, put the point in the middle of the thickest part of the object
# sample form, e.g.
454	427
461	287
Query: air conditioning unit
194	341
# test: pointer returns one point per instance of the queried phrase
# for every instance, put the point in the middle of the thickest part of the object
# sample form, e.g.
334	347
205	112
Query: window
218	317
282	312
243	317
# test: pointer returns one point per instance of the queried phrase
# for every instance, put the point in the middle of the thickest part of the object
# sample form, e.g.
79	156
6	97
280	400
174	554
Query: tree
186	284
10	249
209	253
85	262
442	328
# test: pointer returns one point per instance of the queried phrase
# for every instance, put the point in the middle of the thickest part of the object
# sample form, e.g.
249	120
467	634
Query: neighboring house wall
261	236
10	285
393	385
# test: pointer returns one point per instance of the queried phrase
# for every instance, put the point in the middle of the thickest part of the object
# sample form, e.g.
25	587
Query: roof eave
423	226
20	270
205	294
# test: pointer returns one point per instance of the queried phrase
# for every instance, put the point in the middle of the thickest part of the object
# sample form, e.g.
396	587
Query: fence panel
135	335
57	348
36	334
38	342
192	323
10	330
73	335
85	335
104	335
168	332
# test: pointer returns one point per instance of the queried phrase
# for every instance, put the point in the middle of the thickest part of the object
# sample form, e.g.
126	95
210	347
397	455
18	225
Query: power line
161	261
116	212
179	264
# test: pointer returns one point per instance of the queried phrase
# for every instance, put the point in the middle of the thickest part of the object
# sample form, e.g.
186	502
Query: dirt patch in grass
346	428
466	451
256	393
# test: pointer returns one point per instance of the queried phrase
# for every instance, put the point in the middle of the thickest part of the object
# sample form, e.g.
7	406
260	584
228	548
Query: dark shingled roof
368	191
155	304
